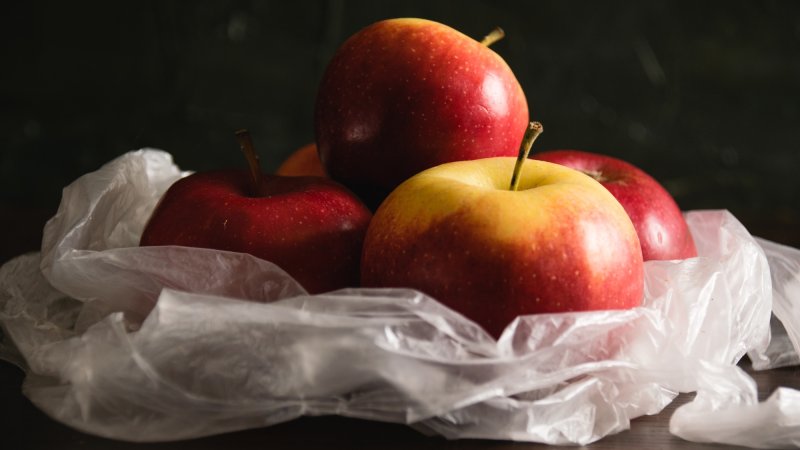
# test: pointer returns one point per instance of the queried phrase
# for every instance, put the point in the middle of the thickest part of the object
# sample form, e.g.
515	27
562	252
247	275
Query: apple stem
493	36
249	150
533	132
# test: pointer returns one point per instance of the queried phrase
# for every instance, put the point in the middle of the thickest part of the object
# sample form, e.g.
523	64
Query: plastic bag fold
166	343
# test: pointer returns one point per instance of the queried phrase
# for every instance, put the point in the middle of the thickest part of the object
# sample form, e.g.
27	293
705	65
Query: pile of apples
427	127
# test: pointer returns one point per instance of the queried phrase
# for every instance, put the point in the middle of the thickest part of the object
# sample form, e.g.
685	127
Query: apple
460	233
312	227
662	230
403	95
303	162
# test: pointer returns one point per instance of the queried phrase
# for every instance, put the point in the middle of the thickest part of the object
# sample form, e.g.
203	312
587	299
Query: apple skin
662	230
303	162
312	227
455	232
403	95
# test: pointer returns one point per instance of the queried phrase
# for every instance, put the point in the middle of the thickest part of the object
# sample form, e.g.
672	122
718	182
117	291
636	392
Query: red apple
662	230
403	95
312	227
304	162
457	232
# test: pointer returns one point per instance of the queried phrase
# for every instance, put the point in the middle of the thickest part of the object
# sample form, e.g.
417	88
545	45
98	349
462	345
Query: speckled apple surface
403	95
311	227
559	243
659	222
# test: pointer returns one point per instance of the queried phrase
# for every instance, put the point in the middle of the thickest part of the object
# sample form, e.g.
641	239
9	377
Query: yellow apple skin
456	232
303	162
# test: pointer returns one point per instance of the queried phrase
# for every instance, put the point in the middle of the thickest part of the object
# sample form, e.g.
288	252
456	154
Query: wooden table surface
23	426
26	427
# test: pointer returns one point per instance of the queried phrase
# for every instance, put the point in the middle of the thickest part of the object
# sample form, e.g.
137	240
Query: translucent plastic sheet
153	344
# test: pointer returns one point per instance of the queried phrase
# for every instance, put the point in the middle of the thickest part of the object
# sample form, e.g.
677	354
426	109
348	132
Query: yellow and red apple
662	230
561	242
403	95
303	162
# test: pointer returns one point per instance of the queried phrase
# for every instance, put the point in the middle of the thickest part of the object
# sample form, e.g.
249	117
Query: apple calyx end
495	35
533	132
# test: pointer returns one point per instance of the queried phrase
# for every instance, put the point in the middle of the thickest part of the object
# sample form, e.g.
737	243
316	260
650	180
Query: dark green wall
705	95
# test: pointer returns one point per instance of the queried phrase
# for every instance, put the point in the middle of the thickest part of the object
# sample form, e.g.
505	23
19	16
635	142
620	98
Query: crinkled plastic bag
166	343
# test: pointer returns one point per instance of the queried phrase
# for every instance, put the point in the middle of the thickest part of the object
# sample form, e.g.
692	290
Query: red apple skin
455	232
403	95
303	162
312	227
658	220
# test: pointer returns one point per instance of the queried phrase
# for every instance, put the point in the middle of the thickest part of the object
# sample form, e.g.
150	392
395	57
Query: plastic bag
784	264
743	421
155	344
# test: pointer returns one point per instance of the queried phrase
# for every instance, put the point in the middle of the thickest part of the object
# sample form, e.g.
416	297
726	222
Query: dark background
704	95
